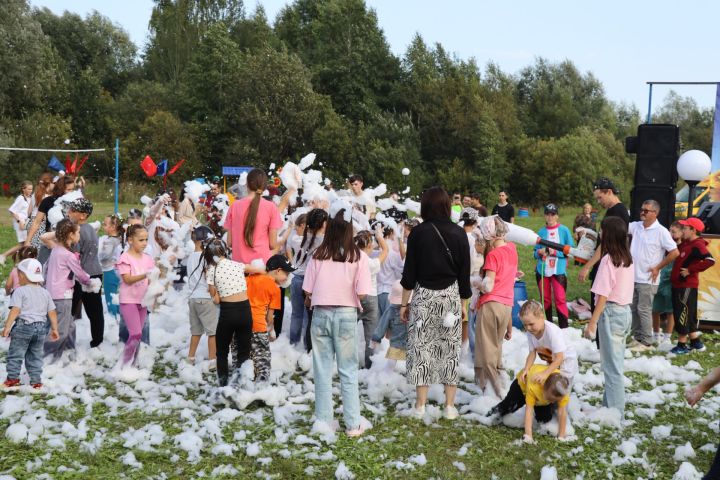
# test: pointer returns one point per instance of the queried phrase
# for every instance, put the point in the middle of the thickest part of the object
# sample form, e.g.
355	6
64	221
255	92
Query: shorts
203	316
662	302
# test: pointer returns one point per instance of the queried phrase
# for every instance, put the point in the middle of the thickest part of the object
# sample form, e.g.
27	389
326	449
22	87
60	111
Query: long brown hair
338	244
615	241
61	185
256	182
41	189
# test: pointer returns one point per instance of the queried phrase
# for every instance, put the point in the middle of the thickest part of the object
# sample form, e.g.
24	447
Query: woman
187	211
585	220
43	189
437	270
252	223
62	186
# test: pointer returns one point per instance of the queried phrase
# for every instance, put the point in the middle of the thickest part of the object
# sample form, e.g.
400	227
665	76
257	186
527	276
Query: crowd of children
342	264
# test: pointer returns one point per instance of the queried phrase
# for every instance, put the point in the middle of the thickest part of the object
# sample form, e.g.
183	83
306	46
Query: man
467	201
606	194
477	205
652	248
456	203
504	209
356	188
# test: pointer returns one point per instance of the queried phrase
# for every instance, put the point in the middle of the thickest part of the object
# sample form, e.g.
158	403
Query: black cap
82	205
551	208
202	233
604	183
279	261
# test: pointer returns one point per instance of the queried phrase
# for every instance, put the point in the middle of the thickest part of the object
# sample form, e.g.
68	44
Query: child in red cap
694	258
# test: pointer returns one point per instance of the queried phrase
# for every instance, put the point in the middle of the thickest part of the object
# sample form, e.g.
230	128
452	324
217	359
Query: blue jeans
111	285
334	334
398	329
613	328
472	317
27	341
123	333
383	303
298	317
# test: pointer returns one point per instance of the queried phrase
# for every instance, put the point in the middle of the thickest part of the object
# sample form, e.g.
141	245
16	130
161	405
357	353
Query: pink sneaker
355	432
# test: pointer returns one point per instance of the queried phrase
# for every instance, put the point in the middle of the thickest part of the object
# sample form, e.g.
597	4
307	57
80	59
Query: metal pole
649	112
117	172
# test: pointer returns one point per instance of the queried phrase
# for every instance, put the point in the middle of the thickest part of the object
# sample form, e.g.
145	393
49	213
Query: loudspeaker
664	195
657	149
709	213
631	144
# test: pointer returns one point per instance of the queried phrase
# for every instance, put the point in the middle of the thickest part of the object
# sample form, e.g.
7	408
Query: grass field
90	429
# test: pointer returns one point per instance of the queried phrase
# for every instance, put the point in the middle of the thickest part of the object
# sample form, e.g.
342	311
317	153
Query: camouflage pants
259	354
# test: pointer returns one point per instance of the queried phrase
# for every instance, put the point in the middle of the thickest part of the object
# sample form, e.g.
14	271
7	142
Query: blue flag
55	164
162	168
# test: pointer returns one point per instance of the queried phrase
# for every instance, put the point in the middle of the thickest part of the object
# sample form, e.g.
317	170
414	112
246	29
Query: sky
623	43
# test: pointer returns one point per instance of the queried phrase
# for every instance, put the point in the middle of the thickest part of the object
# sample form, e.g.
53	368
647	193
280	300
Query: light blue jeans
613	329
298	316
334	334
472	318
26	342
383	303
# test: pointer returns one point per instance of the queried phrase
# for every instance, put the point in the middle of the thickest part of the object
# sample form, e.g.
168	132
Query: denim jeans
613	328
472	317
383	303
298	317
334	334
111	285
369	319
26	341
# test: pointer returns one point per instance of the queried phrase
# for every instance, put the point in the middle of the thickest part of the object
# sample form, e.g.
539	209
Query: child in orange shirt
265	298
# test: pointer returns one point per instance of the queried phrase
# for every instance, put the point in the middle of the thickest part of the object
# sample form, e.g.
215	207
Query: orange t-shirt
263	294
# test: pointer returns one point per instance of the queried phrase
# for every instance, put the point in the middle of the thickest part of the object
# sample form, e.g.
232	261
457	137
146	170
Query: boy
31	305
264	294
540	386
203	311
694	258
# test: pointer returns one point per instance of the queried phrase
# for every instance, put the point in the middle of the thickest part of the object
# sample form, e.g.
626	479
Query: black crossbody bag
447	249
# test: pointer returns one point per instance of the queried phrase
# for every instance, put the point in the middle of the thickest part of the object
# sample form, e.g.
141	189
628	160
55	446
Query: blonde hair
532	308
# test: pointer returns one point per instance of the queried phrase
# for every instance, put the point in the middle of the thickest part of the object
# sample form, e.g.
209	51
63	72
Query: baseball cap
279	261
82	205
551	208
693	222
32	270
604	183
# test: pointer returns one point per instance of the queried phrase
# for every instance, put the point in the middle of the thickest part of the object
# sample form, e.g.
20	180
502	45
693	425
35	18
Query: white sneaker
641	347
451	413
418	413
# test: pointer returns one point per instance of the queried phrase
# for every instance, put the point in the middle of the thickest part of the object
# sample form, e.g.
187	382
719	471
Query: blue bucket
523	213
520	294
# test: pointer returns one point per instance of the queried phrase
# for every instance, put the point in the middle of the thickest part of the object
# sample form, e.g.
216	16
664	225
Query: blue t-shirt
34	303
556	262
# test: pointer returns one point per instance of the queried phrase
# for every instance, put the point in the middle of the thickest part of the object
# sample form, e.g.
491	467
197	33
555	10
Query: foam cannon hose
582	253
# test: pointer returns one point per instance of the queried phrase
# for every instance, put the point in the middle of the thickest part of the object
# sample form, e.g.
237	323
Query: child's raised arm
382	243
48	239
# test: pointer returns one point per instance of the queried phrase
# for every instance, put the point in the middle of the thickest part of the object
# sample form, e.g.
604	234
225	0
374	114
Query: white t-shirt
374	264
228	277
196	276
648	248
390	271
476	259
553	341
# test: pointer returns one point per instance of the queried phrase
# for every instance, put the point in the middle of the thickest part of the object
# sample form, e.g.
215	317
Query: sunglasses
645	210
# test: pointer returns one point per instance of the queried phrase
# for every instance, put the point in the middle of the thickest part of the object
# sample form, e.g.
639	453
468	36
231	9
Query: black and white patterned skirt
434	336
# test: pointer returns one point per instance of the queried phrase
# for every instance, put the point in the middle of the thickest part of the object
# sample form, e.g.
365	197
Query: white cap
32	270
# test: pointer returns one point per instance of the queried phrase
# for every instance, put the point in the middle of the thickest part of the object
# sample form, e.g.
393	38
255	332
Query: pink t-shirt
14	279
337	284
268	218
503	261
127	264
615	283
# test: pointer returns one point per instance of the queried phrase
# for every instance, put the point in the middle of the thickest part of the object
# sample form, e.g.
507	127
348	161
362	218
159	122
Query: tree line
217	85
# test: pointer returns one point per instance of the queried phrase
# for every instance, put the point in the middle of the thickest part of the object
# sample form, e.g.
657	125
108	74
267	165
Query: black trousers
714	473
515	400
235	320
93	309
279	314
308	338
684	302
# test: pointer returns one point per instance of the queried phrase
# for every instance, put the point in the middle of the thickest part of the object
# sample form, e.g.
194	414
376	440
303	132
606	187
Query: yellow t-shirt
534	391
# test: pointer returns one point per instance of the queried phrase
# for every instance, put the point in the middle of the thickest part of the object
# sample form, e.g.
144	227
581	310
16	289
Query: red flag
148	166
67	164
82	162
176	167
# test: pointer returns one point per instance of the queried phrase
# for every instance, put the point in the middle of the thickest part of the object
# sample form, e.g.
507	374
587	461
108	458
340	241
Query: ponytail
256	182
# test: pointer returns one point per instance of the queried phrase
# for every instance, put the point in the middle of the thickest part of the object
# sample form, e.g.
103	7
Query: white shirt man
652	248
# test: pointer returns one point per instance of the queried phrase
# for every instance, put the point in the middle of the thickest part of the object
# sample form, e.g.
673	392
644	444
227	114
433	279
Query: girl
40	223
20	211
226	283
13	280
662	303
133	267
390	320
111	246
336	279
369	315
613	288
391	269
44	188
63	268
495	304
312	238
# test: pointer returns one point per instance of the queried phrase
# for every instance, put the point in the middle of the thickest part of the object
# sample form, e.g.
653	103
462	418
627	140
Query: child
550	272
110	246
63	268
495	304
390	320
133	267
337	277
469	218
312	238
693	396
203	312
264	295
20	209
392	267
662	303
13	281
369	313
296	236
28	326
538	388
79	212
694	258
613	288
